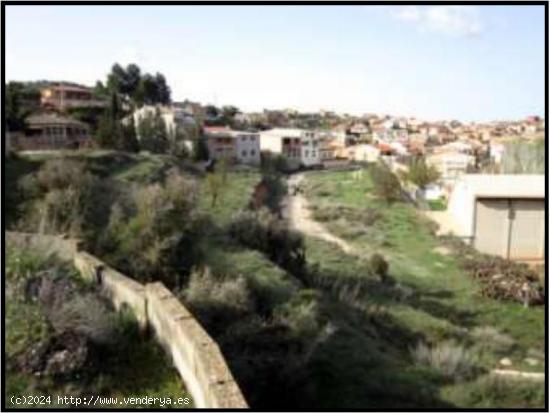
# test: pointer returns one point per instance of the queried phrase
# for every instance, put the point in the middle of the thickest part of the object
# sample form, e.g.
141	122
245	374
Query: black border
278	3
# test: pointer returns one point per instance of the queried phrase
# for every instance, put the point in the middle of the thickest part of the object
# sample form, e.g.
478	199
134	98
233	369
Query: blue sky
435	62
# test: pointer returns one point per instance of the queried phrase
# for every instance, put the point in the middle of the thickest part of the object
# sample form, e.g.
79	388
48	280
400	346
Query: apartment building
238	146
300	147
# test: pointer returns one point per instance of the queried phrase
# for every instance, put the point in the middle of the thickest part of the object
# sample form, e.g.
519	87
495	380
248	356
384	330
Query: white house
363	153
501	214
247	147
239	146
451	165
299	146
173	117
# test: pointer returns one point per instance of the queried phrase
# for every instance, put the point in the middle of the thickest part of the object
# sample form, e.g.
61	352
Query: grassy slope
343	367
15	168
447	300
25	324
222	254
134	367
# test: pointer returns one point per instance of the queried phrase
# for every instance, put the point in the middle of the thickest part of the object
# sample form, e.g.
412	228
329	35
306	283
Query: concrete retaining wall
195	354
123	291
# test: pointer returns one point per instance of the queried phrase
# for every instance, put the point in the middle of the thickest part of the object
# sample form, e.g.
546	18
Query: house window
243	138
252	139
252	152
313	154
306	153
243	153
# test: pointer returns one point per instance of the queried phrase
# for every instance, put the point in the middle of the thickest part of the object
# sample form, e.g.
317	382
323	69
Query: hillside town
127	115
306	140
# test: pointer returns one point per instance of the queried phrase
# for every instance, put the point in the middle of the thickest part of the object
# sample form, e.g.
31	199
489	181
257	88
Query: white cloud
450	20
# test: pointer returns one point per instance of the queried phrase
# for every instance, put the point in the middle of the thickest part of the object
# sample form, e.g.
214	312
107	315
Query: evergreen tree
153	134
20	101
109	132
129	142
200	148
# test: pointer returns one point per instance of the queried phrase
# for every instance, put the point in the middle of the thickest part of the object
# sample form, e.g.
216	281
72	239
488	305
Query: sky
471	63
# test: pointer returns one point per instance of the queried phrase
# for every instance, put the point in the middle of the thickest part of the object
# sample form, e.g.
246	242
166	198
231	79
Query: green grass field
446	302
362	357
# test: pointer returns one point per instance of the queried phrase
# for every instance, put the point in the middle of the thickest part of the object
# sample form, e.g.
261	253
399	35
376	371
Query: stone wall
194	353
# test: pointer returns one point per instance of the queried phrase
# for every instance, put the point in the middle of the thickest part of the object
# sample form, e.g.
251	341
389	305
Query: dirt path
297	212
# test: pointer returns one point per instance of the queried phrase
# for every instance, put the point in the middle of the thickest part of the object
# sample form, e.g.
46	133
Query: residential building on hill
173	117
237	146
300	147
52	131
363	153
65	96
451	165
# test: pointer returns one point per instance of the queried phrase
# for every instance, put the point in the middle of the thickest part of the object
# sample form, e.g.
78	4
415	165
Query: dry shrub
386	184
66	198
492	392
262	231
500	279
380	266
86	315
301	314
69	311
489	338
448	358
217	299
152	230
506	280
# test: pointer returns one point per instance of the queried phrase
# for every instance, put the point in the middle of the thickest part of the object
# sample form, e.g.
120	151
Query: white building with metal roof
501	214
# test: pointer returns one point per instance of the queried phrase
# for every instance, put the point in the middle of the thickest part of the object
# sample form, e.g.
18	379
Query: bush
421	174
218	299
492	392
273	164
264	232
490	339
379	266
85	315
152	232
386	184
301	314
448	358
69	199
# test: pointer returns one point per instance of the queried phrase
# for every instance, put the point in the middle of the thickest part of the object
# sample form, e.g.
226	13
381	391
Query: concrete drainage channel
195	354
